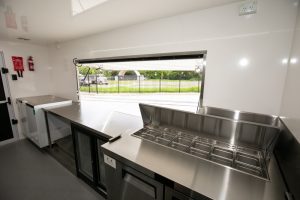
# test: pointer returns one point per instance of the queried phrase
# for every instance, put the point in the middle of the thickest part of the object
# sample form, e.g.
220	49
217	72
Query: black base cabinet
89	158
135	185
126	183
113	179
133	182
179	192
171	194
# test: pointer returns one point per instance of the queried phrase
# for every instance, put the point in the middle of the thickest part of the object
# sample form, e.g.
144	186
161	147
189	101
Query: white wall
291	97
264	38
39	82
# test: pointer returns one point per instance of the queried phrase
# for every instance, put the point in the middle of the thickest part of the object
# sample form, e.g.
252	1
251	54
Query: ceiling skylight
79	6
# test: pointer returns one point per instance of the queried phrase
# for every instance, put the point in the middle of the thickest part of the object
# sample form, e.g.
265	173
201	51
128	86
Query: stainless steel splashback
249	130
240	115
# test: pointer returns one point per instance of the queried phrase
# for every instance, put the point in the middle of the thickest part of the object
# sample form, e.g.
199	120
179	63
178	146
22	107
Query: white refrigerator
32	116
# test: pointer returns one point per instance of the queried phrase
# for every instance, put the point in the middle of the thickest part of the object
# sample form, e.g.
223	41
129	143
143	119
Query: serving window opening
171	80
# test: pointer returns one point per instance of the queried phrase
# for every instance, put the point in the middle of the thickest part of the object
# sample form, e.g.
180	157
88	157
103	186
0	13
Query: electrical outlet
247	8
110	161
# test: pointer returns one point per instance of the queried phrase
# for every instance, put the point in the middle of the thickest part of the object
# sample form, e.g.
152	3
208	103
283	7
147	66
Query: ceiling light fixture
285	61
293	60
244	62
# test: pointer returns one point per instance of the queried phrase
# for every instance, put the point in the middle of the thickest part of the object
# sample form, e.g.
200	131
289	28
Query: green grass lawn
153	81
146	86
137	90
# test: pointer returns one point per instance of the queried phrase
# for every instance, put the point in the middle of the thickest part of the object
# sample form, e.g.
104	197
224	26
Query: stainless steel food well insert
241	145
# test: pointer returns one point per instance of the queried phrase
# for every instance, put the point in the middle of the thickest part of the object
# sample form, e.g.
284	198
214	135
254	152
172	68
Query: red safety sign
18	65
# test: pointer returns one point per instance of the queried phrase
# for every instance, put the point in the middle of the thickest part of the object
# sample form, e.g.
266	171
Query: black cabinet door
6	129
136	185
101	167
186	194
84	159
171	194
89	158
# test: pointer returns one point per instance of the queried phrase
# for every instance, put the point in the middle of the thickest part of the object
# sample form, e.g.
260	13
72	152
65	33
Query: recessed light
285	61
293	60
244	62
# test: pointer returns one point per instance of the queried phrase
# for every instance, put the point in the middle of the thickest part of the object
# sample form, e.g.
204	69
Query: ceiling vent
24	39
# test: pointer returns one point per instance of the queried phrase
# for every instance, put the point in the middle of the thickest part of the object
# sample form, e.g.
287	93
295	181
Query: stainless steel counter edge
108	125
42	100
94	131
203	177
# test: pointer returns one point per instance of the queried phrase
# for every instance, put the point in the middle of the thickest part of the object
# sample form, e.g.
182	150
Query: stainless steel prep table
99	120
203	177
85	127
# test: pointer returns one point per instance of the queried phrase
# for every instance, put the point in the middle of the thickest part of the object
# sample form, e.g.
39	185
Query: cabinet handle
3	102
114	138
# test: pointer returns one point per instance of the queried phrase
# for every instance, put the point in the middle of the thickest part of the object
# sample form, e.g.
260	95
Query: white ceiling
51	21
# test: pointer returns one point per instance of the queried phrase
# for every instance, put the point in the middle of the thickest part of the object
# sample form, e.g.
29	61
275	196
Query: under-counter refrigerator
32	117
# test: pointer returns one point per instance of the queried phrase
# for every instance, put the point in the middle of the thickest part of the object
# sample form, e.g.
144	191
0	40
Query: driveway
123	101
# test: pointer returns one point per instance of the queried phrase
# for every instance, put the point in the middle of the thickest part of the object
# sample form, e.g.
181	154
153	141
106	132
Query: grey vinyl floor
27	173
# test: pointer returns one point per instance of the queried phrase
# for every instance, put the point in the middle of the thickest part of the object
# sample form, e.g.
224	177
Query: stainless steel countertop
41	100
204	177
100	118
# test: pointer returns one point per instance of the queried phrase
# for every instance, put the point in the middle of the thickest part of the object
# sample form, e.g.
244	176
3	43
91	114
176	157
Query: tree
85	69
170	75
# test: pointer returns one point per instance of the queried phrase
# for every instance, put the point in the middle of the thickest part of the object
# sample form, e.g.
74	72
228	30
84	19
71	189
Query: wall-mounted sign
10	18
2	4
24	23
18	65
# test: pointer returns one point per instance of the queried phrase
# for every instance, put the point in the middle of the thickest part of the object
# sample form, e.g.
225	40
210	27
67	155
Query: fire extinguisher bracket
14	77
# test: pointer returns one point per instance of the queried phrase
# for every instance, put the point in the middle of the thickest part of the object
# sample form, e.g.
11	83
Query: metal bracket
14	121
75	61
4	70
9	100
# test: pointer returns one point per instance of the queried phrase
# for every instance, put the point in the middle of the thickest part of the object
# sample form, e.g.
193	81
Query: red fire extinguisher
30	63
